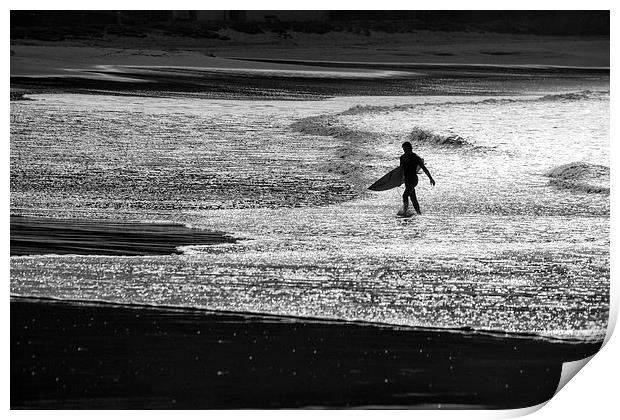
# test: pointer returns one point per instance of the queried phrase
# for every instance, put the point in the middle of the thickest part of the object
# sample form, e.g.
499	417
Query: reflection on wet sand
150	358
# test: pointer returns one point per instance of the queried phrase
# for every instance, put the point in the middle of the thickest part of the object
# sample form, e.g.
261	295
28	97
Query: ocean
513	239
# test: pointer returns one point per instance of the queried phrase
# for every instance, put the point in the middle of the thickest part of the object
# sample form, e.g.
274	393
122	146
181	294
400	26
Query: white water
497	247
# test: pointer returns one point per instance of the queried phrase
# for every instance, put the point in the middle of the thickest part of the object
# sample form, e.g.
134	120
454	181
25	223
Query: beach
191	226
86	355
243	65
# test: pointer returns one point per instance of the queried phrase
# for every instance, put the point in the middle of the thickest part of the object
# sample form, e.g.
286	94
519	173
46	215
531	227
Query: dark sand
87	356
205	83
245	69
35	236
420	46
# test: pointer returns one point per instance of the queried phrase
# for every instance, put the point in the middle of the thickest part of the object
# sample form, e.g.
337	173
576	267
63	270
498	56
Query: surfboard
394	178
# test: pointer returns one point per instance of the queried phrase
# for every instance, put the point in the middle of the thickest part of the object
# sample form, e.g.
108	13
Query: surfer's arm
428	174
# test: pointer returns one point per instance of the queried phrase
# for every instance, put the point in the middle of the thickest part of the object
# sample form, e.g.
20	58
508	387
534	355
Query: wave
368	109
575	96
420	135
351	163
326	125
581	177
570	96
290	319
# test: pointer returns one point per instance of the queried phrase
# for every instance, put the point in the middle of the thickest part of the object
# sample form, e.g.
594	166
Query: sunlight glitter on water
498	246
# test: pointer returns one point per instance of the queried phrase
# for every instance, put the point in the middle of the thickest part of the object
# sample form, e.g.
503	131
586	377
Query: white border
591	395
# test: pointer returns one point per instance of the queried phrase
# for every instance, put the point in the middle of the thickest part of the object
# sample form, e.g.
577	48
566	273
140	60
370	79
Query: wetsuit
410	162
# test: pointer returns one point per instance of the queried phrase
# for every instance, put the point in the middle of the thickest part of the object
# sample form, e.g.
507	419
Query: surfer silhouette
409	161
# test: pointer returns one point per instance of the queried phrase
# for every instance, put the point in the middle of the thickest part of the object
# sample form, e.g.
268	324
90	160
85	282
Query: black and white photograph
306	209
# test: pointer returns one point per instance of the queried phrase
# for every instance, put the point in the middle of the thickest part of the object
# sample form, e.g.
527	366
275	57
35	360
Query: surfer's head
407	147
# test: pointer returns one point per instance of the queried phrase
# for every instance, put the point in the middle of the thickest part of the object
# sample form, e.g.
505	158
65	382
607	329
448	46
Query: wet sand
37	236
421	46
88	355
255	66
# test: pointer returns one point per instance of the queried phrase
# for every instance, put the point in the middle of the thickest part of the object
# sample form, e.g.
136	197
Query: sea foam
581	177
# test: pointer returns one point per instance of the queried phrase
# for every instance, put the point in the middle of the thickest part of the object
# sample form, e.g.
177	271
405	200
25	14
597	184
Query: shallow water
499	245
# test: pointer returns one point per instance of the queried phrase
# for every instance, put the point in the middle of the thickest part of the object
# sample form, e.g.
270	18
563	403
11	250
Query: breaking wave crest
575	96
581	177
419	135
351	163
326	125
570	96
367	109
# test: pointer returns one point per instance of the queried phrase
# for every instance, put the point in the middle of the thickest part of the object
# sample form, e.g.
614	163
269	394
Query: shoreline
220	85
40	236
454	66
307	67
266	317
69	355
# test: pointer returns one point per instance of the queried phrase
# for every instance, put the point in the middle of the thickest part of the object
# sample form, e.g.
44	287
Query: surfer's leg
405	200
406	197
414	200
